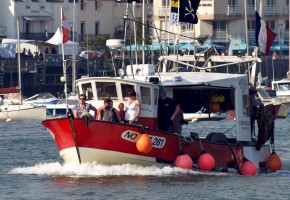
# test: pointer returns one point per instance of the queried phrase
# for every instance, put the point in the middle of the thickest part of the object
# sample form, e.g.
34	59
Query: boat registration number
158	142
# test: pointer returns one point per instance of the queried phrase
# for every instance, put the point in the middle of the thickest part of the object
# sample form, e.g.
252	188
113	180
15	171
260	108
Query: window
145	95
251	2
219	25
251	24
87	90
164	3
125	88
271	2
271	24
96	5
82	5
232	2
83	29
97	28
106	90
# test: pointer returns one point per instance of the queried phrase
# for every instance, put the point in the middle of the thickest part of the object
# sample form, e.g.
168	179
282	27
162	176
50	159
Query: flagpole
64	80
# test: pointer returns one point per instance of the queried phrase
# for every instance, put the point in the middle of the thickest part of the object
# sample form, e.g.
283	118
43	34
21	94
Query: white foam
98	170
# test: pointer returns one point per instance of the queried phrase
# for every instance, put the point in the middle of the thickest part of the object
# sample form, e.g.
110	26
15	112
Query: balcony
267	10
36	36
276	10
162	11
220	37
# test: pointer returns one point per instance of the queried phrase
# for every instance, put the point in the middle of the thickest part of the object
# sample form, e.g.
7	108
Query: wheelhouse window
145	95
125	88
106	90
87	90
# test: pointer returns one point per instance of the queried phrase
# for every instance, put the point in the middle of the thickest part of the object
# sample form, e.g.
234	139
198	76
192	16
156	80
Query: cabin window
145	95
87	90
125	88
246	105
106	90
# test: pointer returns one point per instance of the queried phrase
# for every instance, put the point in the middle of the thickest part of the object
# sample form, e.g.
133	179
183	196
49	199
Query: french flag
264	36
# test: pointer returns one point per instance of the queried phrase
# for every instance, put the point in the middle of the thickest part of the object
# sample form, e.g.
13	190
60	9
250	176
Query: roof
180	79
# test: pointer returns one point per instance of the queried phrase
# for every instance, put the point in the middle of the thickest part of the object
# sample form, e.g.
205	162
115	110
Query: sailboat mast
18	60
246	27
135	34
73	52
289	44
143	32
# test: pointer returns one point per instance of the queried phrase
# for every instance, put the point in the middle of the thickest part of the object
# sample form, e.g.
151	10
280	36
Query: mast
143	32
125	33
18	61
73	53
246	27
289	45
135	35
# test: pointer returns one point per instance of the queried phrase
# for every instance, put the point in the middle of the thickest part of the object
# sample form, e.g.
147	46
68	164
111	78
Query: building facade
223	21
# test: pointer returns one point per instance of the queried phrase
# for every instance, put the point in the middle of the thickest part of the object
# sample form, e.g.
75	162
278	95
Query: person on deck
83	108
109	113
121	111
133	108
167	111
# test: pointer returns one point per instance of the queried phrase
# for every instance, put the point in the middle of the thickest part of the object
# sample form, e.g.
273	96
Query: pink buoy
206	162
249	169
184	162
274	162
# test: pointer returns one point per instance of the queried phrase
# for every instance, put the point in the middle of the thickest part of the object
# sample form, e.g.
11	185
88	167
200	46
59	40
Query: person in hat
167	111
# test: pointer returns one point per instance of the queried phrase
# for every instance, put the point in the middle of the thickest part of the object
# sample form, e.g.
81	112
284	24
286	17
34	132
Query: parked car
90	54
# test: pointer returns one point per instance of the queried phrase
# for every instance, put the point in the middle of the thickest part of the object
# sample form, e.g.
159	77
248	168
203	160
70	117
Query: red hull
121	138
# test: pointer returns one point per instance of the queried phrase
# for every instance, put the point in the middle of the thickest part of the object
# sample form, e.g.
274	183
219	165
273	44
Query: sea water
32	169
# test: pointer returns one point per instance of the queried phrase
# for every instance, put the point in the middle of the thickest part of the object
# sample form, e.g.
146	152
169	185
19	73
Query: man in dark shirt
167	110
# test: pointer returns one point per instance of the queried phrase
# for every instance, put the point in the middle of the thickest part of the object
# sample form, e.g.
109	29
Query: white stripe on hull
105	157
22	112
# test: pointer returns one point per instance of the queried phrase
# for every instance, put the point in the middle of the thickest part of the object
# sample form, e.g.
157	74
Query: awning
37	18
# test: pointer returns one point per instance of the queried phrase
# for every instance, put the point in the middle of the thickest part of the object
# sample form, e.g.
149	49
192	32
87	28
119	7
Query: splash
99	170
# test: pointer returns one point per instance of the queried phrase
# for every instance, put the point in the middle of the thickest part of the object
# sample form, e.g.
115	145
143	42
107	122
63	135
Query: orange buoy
249	169
274	162
214	107
206	162
144	143
184	162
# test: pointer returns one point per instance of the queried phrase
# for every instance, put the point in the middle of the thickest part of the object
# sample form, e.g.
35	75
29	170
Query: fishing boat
83	140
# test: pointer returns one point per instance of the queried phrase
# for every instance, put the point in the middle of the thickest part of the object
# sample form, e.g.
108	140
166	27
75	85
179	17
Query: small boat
84	140
54	107
282	87
281	107
200	115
